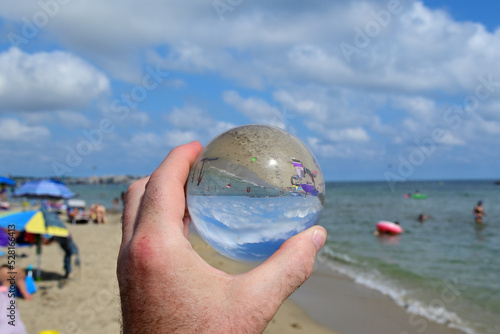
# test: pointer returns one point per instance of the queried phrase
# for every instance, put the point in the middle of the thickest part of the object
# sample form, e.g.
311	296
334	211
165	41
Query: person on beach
3	193
166	287
116	204
4	205
98	213
70	248
19	277
478	212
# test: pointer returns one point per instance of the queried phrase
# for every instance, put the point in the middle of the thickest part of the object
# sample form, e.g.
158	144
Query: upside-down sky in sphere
378	90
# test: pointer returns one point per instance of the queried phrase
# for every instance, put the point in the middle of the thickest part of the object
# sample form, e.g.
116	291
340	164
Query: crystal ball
252	188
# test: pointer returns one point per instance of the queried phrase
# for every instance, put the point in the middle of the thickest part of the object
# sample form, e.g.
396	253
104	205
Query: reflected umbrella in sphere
252	188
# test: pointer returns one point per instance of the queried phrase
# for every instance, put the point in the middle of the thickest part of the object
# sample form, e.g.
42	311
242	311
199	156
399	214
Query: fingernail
319	238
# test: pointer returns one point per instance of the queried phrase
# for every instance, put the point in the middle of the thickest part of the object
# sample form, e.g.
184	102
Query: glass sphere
253	187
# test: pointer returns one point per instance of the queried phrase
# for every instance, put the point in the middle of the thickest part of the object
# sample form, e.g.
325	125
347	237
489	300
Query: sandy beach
88	301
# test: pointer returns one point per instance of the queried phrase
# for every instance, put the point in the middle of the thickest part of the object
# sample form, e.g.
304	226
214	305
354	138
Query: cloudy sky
379	90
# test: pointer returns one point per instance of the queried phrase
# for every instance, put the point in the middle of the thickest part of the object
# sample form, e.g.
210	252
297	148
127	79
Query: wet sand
336	301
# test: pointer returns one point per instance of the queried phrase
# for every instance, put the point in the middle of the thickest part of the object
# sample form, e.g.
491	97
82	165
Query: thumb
288	268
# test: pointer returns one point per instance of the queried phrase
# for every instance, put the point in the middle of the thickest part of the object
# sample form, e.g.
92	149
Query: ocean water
446	269
103	194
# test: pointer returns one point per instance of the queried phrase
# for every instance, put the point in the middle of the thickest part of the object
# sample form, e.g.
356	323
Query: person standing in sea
479	212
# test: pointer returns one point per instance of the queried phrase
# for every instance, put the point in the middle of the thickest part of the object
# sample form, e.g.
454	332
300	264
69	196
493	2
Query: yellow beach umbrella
33	222
37	222
39	225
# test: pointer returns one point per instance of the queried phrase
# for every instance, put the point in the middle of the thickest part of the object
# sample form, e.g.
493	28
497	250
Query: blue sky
378	90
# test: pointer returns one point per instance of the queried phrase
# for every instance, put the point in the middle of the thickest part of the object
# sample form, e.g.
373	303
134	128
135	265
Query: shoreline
337	301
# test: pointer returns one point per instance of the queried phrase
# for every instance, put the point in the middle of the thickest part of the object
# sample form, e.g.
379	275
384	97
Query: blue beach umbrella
49	189
36	222
39	222
7	181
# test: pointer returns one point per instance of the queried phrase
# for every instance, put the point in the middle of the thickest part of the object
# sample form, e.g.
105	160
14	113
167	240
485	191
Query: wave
373	279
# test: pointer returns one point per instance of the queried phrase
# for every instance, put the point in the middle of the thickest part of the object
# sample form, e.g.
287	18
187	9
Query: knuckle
134	187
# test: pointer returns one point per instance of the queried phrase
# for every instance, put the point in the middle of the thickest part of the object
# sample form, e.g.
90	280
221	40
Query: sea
446	269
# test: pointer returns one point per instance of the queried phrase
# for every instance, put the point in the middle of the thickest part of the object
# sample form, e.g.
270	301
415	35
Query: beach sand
88	301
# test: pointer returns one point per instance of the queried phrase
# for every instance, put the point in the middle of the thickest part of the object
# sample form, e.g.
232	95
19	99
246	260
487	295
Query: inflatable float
389	227
419	196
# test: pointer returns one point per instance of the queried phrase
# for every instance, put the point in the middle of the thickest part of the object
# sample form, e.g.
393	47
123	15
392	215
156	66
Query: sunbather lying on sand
16	275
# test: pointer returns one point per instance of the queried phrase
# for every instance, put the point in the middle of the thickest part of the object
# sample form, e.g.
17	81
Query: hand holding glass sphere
252	188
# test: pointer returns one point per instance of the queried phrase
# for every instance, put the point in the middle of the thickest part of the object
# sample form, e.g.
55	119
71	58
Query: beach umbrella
40	222
7	181
36	222
49	189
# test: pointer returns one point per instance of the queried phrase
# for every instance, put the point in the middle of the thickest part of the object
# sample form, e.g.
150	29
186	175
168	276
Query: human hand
166	287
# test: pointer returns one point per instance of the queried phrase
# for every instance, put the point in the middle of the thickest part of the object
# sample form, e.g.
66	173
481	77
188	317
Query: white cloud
189	117
44	81
178	137
490	111
417	106
420	50
490	127
150	144
139	119
357	134
325	109
450	138
11	130
327	150
194	123
142	145
394	90
72	119
256	109
219	127
302	105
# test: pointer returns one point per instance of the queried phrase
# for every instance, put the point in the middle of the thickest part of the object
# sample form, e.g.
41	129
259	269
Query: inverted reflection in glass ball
252	188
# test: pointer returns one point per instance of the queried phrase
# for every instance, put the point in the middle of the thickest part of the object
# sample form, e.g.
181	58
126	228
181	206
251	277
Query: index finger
163	205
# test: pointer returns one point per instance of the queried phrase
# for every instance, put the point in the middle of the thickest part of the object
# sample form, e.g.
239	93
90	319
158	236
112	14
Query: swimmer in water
479	212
